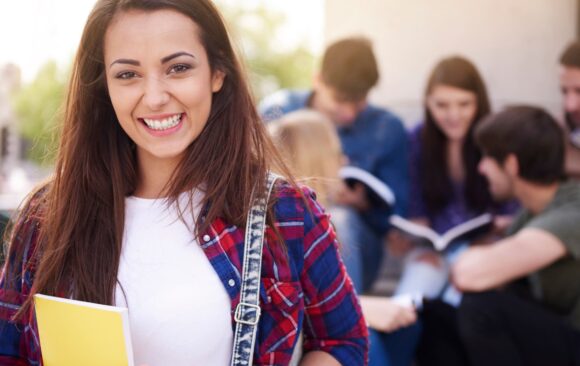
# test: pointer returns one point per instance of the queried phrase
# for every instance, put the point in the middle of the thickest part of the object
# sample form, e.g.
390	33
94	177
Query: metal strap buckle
238	314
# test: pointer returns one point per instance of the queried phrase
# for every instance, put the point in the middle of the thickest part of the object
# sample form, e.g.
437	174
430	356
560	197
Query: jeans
429	280
393	349
361	248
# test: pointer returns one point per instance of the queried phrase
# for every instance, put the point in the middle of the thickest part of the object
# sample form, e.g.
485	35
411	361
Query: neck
314	101
455	160
535	197
154	175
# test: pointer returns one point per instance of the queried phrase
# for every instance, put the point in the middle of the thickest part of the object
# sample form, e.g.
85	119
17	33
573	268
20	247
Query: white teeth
163	124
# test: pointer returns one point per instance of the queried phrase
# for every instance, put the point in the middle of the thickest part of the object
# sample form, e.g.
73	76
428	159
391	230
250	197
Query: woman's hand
384	315
501	223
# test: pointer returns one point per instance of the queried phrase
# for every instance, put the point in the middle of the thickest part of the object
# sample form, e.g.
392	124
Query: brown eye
126	75
179	68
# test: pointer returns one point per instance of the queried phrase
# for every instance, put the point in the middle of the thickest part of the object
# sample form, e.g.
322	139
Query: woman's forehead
136	32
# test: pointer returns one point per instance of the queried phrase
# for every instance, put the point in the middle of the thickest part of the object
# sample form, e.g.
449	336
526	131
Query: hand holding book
352	195
440	242
76	333
377	192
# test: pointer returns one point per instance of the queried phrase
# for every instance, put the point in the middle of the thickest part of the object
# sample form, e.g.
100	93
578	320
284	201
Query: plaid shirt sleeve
18	343
334	322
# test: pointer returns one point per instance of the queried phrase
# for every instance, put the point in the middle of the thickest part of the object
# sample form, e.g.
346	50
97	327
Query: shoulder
379	115
294	201
382	125
296	207
560	219
415	132
23	238
414	136
282	102
32	210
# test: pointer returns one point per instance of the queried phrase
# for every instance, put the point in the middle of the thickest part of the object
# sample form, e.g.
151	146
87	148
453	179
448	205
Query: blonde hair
311	148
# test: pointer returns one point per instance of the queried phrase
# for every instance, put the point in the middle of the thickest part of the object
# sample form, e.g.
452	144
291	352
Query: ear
316	80
511	165
217	81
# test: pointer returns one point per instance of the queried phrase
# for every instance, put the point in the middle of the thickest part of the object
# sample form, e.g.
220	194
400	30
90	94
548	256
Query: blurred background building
515	43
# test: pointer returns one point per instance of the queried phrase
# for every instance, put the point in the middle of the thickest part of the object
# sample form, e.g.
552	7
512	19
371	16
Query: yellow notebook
74	333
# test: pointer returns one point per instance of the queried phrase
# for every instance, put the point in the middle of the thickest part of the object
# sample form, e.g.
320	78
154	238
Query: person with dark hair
570	88
372	138
522	294
446	187
4	218
159	203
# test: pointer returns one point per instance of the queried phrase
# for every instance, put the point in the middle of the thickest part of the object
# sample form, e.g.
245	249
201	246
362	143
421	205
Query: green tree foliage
271	65
38	107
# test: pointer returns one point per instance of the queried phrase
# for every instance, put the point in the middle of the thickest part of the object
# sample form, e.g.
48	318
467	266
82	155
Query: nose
155	94
454	113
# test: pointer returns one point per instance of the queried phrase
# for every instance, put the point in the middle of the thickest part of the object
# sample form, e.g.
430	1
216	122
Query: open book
74	333
378	193
467	229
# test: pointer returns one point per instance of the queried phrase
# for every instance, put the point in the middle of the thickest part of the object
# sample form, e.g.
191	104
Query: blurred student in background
522	294
570	88
310	147
446	187
372	138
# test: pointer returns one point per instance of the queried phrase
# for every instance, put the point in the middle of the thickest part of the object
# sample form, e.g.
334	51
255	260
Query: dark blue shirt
376	141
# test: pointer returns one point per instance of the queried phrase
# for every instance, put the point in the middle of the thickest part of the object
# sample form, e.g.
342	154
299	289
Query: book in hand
378	193
74	333
440	242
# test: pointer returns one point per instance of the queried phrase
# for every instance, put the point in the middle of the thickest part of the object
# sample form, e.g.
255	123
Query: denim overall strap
247	313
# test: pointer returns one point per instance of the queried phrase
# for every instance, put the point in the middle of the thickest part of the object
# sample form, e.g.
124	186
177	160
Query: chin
456	136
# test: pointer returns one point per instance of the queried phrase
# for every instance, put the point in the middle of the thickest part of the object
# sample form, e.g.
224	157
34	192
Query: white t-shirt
179	311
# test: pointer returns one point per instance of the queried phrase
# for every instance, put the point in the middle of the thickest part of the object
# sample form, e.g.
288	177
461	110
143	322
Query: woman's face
159	81
453	110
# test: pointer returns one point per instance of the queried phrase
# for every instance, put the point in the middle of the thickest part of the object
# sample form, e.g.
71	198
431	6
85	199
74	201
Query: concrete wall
515	44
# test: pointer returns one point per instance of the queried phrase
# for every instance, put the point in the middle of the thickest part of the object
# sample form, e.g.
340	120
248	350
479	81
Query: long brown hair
460	73
81	236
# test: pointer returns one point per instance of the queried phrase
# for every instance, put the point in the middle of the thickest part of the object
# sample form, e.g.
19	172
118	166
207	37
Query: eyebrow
175	55
164	60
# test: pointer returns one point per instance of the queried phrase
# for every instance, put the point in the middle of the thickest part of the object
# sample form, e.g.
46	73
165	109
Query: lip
161	133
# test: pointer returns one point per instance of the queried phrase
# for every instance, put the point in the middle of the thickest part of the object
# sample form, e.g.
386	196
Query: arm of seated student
355	196
385	315
482	268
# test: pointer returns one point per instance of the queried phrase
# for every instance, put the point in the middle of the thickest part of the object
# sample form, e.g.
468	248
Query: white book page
373	182
415	229
440	242
465	227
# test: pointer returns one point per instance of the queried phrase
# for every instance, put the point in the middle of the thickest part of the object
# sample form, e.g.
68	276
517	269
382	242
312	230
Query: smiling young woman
161	156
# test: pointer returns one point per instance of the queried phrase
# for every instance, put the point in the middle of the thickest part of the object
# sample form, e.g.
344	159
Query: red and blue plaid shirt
304	286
